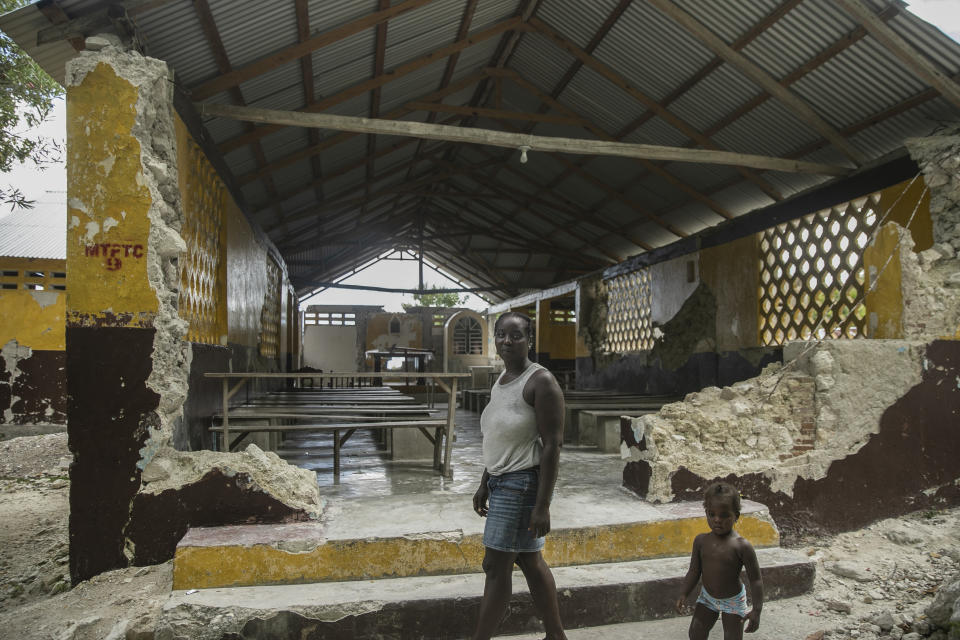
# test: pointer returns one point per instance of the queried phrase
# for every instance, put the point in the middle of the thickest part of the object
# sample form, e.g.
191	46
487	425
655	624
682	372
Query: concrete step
438	534
447	606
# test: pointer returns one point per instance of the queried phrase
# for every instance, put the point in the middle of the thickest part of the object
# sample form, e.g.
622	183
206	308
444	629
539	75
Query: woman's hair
723	491
514	314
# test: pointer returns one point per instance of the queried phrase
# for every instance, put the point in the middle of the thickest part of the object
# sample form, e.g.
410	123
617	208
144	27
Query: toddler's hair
723	491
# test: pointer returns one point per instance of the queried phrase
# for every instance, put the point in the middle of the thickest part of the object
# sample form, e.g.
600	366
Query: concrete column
122	245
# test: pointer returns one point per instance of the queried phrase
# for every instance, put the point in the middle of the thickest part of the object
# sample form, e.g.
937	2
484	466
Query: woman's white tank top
511	441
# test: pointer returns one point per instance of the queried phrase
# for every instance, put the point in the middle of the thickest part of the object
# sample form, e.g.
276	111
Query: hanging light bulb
523	153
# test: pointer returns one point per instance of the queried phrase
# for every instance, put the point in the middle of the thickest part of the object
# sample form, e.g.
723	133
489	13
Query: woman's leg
703	620
498	565
543	590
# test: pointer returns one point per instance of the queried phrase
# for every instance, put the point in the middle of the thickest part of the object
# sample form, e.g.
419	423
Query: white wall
331	348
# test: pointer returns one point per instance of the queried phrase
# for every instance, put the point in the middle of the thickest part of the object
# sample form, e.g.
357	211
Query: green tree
27	93
451	299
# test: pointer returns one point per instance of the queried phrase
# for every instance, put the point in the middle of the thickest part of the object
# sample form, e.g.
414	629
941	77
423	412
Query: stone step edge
235	565
447	606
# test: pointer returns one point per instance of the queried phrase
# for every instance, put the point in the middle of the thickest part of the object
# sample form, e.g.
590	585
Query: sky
35	184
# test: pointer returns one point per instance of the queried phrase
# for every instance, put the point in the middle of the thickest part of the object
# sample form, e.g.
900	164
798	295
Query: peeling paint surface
100	137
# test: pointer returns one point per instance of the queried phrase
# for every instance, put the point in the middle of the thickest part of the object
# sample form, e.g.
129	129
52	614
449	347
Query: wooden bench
601	427
348	427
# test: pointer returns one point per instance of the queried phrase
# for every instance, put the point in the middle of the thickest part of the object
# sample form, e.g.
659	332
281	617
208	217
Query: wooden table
446	381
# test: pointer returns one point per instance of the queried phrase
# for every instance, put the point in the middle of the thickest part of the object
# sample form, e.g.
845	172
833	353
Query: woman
522	429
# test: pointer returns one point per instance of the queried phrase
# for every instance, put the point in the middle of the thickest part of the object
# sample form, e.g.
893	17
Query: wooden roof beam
646	163
511	140
494	114
212	34
925	69
340	138
794	103
368	85
306	71
665	114
379	54
299	50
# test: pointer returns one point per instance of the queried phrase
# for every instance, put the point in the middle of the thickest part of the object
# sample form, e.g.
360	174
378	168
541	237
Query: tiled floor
367	471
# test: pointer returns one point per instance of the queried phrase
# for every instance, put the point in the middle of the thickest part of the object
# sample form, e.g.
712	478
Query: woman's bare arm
548	407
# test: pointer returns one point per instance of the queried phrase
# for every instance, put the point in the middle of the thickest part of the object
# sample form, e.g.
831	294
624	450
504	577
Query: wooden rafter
378	81
379	55
510	140
57	15
466	19
794	103
527	205
499	220
340	138
299	50
493	114
597	131
665	114
212	34
768	21
541	189
841	43
925	69
302	10
92	22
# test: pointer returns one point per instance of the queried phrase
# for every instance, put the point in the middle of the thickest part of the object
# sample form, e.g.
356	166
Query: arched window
467	337
395	325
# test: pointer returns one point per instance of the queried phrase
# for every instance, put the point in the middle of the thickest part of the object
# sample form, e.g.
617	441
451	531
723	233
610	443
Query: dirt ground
872	583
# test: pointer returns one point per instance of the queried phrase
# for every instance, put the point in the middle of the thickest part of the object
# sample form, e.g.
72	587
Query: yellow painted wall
885	302
901	200
557	340
204	199
34	319
731	271
107	223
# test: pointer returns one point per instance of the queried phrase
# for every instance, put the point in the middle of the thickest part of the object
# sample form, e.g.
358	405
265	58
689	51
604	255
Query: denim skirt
512	498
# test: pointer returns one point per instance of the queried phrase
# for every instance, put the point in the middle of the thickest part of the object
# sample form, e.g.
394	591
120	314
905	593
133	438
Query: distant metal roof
796	79
38	232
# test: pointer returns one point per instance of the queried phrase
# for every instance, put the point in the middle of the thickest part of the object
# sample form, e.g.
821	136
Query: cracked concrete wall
700	339
32	360
128	362
884	437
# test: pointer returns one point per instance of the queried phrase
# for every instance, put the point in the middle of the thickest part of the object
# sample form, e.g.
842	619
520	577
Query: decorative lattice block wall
270	315
629	326
202	296
812	276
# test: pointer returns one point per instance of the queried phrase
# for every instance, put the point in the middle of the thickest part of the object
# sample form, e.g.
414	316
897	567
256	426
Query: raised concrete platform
447	606
437	534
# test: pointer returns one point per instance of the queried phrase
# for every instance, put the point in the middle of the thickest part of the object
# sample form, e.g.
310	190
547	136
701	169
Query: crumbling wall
701	338
128	364
885	436
32	356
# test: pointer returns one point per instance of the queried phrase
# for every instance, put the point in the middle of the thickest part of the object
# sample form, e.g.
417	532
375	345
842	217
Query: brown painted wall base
39	393
912	463
111	410
158	521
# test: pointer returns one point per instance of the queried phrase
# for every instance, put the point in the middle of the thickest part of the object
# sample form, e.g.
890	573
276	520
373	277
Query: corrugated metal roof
39	232
863	91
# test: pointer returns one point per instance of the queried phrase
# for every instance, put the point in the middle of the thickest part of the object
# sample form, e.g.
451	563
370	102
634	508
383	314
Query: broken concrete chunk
102	41
850	570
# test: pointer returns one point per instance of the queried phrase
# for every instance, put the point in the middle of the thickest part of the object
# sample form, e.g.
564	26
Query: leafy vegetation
27	93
